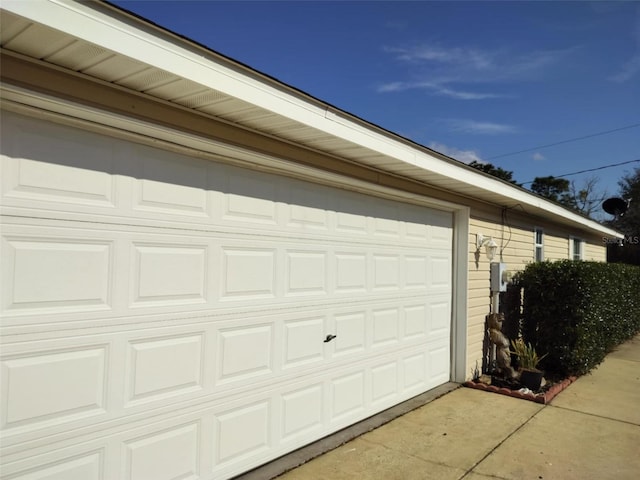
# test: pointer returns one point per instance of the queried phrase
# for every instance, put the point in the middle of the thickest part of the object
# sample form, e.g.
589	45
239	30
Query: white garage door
165	317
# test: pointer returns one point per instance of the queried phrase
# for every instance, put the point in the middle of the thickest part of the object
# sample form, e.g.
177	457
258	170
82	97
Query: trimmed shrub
577	312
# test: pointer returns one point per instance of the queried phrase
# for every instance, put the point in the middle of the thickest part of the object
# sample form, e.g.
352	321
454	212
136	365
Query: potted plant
528	359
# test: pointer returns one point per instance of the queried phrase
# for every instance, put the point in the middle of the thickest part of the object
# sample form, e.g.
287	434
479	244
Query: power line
565	141
590	170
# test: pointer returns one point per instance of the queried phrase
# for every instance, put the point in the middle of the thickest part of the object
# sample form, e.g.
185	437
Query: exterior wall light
491	247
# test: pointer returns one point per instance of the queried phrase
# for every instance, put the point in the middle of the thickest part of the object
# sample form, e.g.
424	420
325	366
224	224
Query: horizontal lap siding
516	241
555	248
518	251
595	253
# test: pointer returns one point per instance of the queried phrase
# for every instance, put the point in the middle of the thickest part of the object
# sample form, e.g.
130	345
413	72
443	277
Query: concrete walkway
591	430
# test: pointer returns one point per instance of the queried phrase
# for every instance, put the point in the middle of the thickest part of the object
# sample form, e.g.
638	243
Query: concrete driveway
591	430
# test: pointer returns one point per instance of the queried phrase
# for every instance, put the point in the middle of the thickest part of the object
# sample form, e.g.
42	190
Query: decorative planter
543	397
531	379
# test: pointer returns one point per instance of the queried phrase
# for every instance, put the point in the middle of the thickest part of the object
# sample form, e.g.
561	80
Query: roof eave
132	37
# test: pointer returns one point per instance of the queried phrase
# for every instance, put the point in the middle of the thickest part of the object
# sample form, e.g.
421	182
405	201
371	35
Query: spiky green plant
527	356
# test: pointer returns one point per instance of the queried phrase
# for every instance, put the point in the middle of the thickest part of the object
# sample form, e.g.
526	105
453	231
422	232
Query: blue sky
474	80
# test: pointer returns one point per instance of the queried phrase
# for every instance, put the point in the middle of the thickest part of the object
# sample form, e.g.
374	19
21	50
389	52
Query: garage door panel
245	352
386	270
242	432
165	274
351	333
84	467
439	362
415	321
350	272
166	455
438	316
385	327
347	396
148	183
170	184
302	345
247	197
306	272
440	271
56	274
202	317
353	214
254	424
31	182
248	273
308	208
440	229
416	271
45	163
73	382
100	381
414	369
385	379
440	237
387	228
417	232
164	367
303	412
174	449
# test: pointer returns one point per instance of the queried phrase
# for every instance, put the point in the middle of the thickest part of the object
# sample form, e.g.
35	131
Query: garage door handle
329	338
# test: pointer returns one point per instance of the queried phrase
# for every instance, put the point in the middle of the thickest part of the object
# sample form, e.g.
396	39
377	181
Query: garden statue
501	342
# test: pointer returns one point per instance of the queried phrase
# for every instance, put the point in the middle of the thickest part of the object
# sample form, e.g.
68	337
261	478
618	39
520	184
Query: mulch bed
511	389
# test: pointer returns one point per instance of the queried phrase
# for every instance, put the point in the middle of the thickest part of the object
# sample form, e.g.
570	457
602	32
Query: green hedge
577	312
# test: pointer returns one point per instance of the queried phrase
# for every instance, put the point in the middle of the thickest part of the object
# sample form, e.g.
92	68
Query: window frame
538	247
573	241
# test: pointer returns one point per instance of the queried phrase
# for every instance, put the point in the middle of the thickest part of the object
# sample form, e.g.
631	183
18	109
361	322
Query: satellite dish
615	206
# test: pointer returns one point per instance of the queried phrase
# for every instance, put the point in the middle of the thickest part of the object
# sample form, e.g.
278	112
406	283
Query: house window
539	244
576	246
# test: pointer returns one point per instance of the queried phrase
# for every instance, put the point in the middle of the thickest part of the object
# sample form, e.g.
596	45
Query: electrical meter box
499	277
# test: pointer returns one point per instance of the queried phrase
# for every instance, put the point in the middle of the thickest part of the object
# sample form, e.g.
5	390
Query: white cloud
629	70
438	90
487	65
537	156
481	128
632	66
449	92
396	24
449	68
466	156
424	53
393	87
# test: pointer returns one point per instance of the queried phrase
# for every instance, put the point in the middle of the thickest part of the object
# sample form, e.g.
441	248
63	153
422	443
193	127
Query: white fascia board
525	198
90	24
512	195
